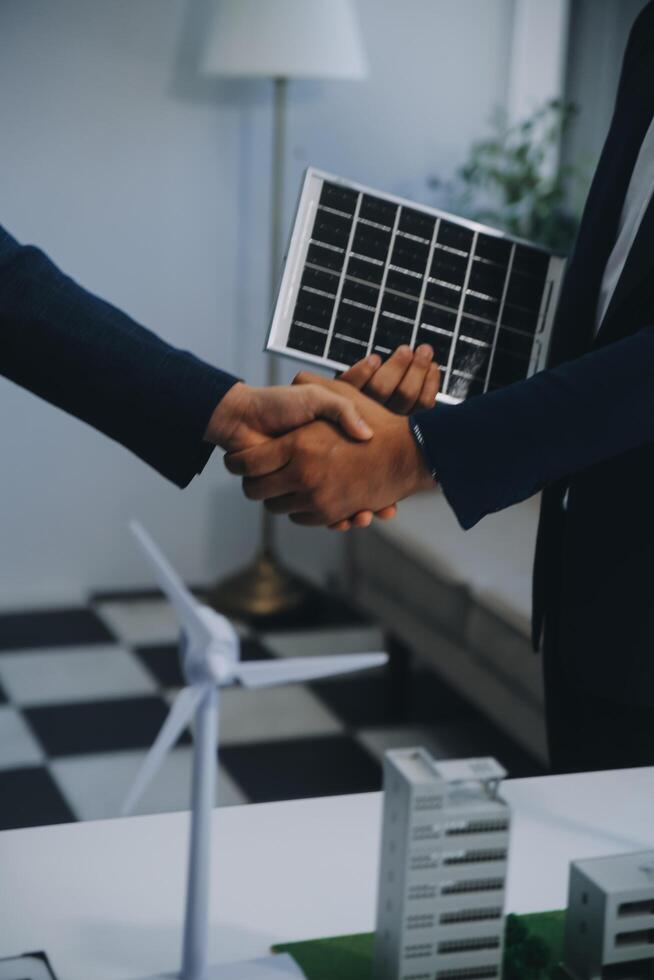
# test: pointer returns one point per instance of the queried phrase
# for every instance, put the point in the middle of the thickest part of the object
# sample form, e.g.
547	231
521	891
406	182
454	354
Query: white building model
445	838
610	920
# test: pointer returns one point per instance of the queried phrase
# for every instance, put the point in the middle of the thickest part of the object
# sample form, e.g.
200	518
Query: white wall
599	30
538	55
149	185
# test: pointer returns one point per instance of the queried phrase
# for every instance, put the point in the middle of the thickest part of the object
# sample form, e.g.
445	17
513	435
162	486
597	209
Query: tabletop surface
104	899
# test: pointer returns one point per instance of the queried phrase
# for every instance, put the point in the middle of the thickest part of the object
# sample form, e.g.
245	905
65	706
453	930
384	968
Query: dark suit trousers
585	732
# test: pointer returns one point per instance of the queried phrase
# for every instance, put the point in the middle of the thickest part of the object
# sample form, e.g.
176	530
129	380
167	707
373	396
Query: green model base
533	951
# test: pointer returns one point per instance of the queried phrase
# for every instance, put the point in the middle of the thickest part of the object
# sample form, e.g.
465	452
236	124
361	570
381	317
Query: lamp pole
280	87
278	40
266	587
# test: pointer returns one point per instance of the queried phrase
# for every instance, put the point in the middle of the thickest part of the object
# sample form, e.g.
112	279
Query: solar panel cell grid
360	292
366	269
454	236
485	307
443	293
303	338
338	197
438	318
531	261
371	242
404	282
417	223
315	310
497	250
519	318
479	330
333	229
375	273
346	351
390	334
377	210
326	258
410	254
440	343
448	266
487	279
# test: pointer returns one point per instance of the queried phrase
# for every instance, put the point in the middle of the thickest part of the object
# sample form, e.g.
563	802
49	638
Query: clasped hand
331	452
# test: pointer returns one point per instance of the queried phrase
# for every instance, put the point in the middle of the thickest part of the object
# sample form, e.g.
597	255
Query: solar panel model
366	272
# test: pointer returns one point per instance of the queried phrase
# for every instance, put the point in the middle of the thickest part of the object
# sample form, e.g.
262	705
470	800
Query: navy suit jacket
586	424
88	358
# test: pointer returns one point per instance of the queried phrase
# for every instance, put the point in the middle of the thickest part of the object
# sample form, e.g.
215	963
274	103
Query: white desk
104	899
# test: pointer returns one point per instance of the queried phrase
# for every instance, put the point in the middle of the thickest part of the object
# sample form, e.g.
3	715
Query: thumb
327	405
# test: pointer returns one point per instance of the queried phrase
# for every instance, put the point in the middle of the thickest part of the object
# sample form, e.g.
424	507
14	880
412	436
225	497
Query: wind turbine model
210	659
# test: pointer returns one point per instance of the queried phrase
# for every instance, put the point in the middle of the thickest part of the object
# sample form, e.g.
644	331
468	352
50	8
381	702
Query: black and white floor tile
84	691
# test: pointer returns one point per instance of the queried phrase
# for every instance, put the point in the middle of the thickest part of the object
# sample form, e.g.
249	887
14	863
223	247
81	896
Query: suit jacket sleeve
88	358
499	448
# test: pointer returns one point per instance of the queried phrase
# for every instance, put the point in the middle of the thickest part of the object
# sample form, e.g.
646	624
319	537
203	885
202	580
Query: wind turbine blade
184	604
265	673
178	718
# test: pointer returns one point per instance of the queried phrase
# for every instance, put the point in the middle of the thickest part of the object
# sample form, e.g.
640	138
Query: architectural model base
268	968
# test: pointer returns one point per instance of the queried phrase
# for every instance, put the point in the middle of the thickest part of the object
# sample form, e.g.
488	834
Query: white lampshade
285	39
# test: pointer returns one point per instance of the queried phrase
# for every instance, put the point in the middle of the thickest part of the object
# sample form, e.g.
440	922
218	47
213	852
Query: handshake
331	453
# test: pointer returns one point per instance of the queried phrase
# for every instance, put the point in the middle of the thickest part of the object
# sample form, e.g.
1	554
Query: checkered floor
84	691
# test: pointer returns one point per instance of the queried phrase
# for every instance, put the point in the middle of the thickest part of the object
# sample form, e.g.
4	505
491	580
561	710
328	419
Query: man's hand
319	477
248	416
406	382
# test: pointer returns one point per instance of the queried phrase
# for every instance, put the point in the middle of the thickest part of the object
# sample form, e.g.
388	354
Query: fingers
430	388
360	373
340	526
384	381
291	503
327	405
406	382
402	382
306	519
262	459
272	486
364	518
323	402
307	378
407	392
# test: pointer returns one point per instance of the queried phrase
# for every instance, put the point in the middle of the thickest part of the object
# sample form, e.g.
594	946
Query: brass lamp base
265	588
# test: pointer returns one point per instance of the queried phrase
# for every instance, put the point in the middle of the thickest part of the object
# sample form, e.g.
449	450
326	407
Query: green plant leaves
512	178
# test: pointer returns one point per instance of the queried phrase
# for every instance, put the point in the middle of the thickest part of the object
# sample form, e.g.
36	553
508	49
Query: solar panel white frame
456	384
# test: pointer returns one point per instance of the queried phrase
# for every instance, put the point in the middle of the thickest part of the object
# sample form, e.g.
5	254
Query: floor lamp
281	40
